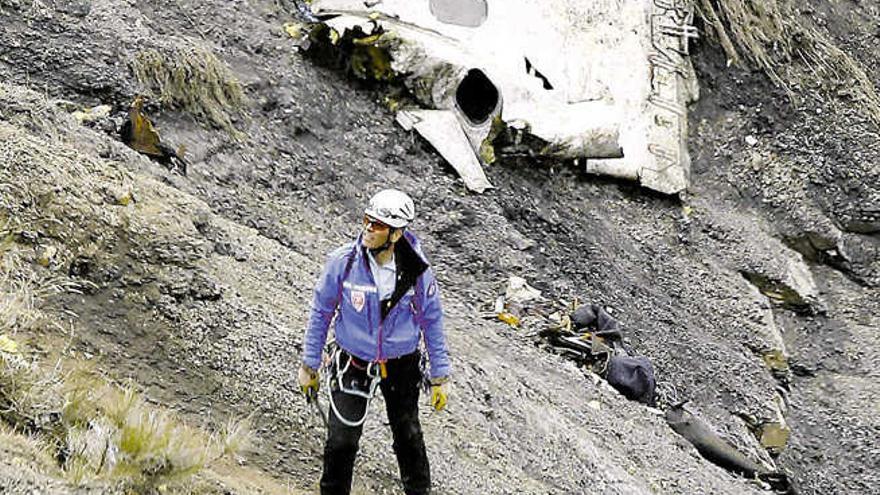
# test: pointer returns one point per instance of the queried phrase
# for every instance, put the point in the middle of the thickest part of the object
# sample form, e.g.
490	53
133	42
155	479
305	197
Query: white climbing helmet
392	207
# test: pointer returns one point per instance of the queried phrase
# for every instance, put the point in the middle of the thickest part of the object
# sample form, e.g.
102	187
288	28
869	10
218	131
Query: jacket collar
407	247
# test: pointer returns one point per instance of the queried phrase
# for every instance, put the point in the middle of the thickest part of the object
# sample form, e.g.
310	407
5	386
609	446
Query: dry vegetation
90	430
190	77
96	431
768	34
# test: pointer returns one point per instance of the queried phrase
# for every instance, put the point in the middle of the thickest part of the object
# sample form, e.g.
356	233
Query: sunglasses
373	224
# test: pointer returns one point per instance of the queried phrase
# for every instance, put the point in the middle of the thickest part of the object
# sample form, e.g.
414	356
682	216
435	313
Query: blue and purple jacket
366	329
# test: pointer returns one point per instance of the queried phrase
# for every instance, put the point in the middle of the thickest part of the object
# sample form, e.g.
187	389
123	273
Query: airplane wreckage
605	82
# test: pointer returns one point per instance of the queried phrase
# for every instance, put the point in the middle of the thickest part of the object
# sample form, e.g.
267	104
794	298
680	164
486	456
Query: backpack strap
345	271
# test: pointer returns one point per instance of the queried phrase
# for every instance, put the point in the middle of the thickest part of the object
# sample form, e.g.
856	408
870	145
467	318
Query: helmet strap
388	243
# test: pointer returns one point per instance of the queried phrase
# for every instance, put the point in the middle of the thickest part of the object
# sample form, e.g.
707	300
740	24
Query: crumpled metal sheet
607	81
442	129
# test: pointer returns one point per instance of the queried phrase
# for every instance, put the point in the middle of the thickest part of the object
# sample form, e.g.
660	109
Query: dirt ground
201	289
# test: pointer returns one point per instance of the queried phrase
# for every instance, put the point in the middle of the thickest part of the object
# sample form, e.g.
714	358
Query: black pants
401	392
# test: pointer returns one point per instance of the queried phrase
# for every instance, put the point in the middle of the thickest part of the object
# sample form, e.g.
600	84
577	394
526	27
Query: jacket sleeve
430	319
324	304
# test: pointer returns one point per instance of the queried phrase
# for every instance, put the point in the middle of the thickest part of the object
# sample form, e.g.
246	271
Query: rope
373	372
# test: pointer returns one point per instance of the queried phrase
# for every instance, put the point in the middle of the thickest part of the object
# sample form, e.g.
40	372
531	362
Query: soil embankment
198	288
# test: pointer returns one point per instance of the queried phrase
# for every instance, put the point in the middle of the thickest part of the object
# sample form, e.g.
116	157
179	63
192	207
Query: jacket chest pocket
356	303
356	300
404	310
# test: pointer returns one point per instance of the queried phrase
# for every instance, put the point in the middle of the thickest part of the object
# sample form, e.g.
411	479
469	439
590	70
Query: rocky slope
198	287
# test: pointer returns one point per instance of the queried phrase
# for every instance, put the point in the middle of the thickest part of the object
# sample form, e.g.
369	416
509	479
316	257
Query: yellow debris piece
124	199
776	360
46	257
8	345
508	318
393	104
487	152
774	436
369	40
293	29
141	135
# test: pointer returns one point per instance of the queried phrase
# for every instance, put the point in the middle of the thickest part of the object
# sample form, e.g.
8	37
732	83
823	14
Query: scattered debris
715	449
708	443
632	376
596	317
138	133
512	306
593	339
519	291
509	318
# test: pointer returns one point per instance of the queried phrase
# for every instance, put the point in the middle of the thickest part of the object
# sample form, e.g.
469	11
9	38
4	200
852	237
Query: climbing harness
340	364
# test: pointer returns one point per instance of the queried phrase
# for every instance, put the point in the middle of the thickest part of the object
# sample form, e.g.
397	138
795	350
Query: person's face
376	233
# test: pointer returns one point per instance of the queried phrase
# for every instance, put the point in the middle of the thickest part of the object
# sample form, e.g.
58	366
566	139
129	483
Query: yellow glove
308	382
438	393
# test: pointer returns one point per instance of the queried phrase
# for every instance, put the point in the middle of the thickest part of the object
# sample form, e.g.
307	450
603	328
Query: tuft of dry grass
99	431
122	437
105	432
768	34
190	77
756	28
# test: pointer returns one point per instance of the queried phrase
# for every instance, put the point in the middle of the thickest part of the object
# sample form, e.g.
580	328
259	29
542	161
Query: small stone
92	114
774	436
775	360
46	257
751	140
204	289
123	196
81	266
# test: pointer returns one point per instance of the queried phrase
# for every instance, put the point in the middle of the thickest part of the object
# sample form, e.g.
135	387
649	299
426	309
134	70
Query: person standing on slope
384	297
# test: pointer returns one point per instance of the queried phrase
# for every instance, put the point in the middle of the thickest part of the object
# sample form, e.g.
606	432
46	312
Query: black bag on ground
594	318
632	376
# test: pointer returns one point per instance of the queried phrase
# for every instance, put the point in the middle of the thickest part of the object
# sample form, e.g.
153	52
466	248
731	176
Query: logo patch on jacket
357	300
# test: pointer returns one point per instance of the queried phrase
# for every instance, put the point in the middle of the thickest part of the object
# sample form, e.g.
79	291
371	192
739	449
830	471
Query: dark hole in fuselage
476	96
